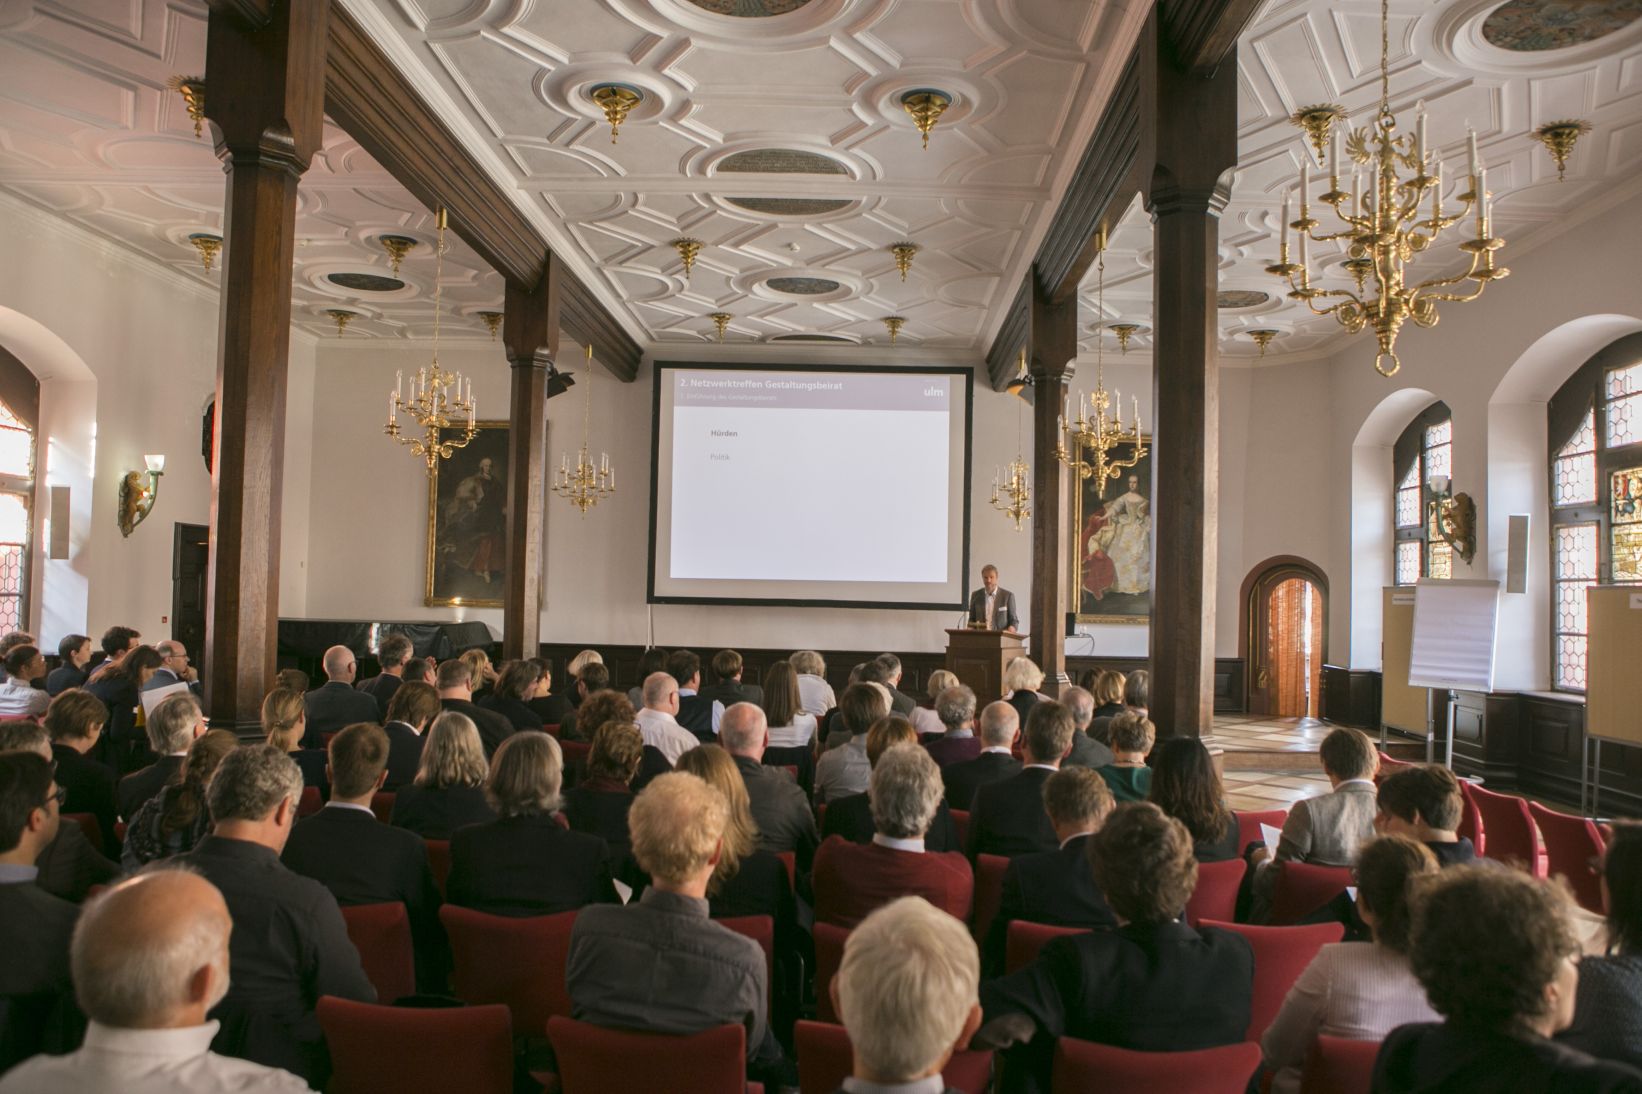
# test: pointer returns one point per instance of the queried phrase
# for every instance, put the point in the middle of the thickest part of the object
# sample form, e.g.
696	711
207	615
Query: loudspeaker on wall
57	544
1516	554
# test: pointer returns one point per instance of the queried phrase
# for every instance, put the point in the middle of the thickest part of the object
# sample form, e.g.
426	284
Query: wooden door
188	565
1287	613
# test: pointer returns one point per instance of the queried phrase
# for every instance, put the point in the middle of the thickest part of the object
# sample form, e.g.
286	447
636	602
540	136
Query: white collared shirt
1042	767
662	732
997	748
931	1084
915	845
991	606
146	1061
1348	782
815	694
18	700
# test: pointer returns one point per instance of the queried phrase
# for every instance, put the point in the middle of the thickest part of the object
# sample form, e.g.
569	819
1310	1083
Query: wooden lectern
977	658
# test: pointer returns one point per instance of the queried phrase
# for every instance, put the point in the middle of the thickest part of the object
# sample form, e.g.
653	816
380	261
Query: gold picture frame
1095	581
467	522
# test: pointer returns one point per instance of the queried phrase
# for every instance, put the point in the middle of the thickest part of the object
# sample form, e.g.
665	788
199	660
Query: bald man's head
152	952
340	665
744	730
999	724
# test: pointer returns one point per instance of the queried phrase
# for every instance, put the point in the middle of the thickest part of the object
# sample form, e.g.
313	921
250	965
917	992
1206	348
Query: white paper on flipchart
1454	629
155	696
1271	835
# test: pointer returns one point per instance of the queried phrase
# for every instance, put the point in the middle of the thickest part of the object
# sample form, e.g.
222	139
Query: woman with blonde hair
923	716
746	881
577	663
483	672
1108	693
285	721
448	791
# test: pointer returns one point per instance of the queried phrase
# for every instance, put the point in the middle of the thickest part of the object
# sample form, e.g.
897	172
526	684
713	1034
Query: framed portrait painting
467	522
1112	550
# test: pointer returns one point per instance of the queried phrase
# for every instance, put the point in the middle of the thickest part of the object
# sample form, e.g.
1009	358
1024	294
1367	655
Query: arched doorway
1285	637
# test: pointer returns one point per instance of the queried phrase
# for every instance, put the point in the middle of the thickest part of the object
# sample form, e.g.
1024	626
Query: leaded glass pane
8	420
1625	381
1570	662
1442	561
1408	508
1574	480
16	453
1570	607
1439	450
1627	552
1441	433
1624	421
1408	561
1574	553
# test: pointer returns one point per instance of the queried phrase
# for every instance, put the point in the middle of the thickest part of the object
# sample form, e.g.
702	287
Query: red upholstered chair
829	954
825	1061
1303	887
552	731
310	802
1216	894
575	756
789	859
1339	1066
1388	764
1281	954
490	954
1082	1066
593	1060
1573	849
382	805
761	929
439	861
88	824
1248	825
388	1050
960	821
1471	820
120	830
1509	827
382	935
989	871
1024	940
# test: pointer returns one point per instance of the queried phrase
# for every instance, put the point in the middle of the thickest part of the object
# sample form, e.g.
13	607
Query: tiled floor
1258	790
1252	733
1270	789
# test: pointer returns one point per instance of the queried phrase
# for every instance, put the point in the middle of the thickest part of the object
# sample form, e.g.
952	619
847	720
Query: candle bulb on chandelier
1334	158
1482	203
1356	192
1436	190
1137	415
1476	162
1305	190
1419	137
1283	254
398	382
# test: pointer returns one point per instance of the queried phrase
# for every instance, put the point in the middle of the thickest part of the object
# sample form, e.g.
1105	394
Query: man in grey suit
991	605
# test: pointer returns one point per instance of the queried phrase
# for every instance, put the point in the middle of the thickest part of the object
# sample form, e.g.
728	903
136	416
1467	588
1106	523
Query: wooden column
265	97
1191	124
530	331
1053	336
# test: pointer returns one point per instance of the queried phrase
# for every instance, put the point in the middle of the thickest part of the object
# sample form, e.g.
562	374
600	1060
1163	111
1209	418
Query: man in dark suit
955	707
75	721
1057	886
363	861
1008	817
1086	751
991	605
394	651
290	944
890	676
175	669
779	807
726	690
336	704
411	711
172	727
695	713
999	727
594	677
456	693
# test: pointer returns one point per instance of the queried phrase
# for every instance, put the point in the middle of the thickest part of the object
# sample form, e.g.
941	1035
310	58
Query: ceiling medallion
1318	121
815	338
903	253
925	105
780	161
687	249
1124	332
1232	299
721	320
208	245
341	318
397	247
1536	26
791	207
365	282
493	322
1262	338
749	9
1558	139
615	100
894	323
802	286
192	90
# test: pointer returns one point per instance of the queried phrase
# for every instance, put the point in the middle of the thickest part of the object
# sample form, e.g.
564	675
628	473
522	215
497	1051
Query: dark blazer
404	754
1437	1056
1055	887
1223	849
759	887
313	762
1023	701
947	749
436	812
69	866
137	787
90	788
780	810
551	709
731	692
901	703
125	745
519	715
851	817
63	677
363	861
1003	609
289	946
1008	817
964	779
381	688
852	879
599	808
37	1011
493	728
334	706
525	866
1087	752
696	715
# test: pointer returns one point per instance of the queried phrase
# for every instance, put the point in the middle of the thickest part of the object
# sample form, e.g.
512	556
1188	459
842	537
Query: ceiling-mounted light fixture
208	245
903	253
1021	383
721	320
894	323
615	100
687	249
925	105
1262	338
493	322
341	318
1559	139
398	247
192	90
1124	332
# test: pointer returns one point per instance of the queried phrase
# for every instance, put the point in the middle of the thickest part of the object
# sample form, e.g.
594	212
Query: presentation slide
810	485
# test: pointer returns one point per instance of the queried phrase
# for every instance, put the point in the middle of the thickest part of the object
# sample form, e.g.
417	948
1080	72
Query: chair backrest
1303	887
789	859
960	821
576	754
382	804
1216	894
1281	954
1573	849
310	802
1339	1066
1083	1066
761	929
1471	820
489	968
1509	828
1248	824
552	731
439	861
825	1060
1024	940
829	955
593	1060
385	1050
1388	764
88	824
989	871
382	935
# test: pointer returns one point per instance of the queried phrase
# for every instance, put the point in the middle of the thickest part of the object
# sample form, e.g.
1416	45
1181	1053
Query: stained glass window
1624	391
1573	473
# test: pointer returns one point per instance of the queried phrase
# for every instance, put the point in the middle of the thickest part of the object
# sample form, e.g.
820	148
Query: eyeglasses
59	795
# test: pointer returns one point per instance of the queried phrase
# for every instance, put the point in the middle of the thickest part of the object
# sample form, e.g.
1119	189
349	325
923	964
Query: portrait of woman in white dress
1129	515
1114	547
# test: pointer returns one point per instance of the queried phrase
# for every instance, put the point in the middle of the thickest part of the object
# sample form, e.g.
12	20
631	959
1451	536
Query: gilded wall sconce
138	489
1456	517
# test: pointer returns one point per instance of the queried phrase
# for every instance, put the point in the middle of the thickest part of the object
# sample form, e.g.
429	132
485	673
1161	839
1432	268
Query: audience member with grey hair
454	681
890	666
852	879
172	726
392	654
1086	751
335	704
290	945
150	960
815	695
1007	817
925	718
999	725
956	708
779	807
658	720
908	993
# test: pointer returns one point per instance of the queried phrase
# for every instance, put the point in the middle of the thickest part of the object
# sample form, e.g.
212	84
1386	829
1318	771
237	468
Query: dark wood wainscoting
1351	697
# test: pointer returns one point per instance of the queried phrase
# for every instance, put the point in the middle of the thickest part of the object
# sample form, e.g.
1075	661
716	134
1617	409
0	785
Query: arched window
1595	434
19	417
1426	448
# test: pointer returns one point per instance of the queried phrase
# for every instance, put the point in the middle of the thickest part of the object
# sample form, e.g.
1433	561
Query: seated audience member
1008	817
926	716
660	964
119	685
36	926
657	722
955	713
419	670
1357	990
1057	887
845	770
593	680
117	643
598	804
1137	693
525	862
1108	693
360	859
1496	951
481	672
73	653
600	709
455	682
19	698
411	711
694	713
999	726
75	722
448	791
727	689
780	811
1132	736
815	695
906	992
69	866
746	881
653	659
851	815
890	676
176	723
1608	1012
13	639
335	703
285	721
1021	680
790	725
516	685
174	821
852	879
1086	751
1152	984
150	961
549	706
1423	802
1330	828
834	733
289	945
1186	786
174	668
392	654
578	665
296	680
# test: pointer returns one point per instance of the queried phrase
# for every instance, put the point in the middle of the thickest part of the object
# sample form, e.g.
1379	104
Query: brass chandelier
1091	441
1383	229
1012	490
441	402
588	482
